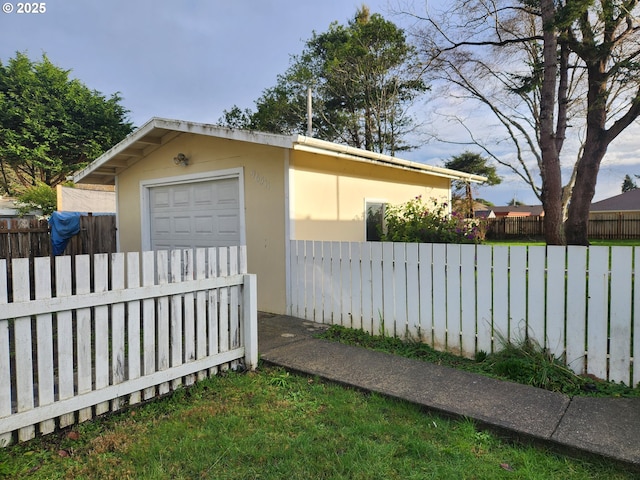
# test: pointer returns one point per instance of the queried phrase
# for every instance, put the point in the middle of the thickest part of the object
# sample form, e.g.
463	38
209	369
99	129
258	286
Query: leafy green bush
39	197
416	221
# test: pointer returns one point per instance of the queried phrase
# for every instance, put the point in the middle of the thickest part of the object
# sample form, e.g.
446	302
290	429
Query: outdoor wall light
181	160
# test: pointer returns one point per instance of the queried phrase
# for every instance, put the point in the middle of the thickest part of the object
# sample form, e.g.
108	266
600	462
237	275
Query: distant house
627	202
486	213
519	211
9	209
480	210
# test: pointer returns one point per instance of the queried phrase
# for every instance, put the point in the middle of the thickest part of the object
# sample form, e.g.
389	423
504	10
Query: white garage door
197	214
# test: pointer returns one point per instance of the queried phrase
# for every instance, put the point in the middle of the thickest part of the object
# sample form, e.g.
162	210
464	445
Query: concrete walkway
609	427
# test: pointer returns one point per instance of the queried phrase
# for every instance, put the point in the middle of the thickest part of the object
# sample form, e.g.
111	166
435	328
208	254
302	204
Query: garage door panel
227	224
182	225
162	225
160	199
198	214
204	224
181	197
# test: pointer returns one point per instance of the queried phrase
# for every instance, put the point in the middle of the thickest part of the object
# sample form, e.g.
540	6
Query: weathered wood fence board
606	226
582	304
30	237
74	351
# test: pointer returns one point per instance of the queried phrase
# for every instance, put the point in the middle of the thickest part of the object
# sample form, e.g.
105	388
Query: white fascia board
323	147
271	139
129	140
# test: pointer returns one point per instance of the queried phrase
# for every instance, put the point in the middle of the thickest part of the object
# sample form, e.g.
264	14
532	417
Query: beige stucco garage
184	184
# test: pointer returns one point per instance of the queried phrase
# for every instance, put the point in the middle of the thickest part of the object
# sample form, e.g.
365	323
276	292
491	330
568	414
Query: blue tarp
64	225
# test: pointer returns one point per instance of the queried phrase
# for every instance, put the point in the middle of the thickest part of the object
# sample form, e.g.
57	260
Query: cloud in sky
192	59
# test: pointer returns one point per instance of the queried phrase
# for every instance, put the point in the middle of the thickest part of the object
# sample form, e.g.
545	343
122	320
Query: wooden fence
118	330
580	303
604	226
30	237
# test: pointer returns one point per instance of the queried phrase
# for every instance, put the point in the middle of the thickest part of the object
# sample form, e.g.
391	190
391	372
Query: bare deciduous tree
561	78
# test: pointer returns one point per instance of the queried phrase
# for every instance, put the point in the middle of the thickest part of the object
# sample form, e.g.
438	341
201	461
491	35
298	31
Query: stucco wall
328	194
263	180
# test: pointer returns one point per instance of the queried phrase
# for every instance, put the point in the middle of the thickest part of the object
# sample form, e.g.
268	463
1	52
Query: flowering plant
417	221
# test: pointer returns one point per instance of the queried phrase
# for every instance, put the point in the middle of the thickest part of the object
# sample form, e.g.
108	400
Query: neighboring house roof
625	202
8	208
484	214
519	211
158	131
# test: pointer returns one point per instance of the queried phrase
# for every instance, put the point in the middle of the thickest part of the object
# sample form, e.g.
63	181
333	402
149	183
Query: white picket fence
117	329
583	304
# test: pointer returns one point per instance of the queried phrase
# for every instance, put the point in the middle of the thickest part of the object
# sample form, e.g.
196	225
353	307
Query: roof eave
313	145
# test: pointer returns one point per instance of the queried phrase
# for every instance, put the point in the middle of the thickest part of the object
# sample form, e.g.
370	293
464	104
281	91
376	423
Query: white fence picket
83	334
366	310
517	294
201	309
328	292
223	304
308	279
500	296
23	343
163	318
118	327
355	273
148	322
176	334
471	298
576	319
412	302
597	311
439	296
484	315
189	326
620	317
388	294
376	288
425	280
400	290
133	323
467	300
555	304
5	357
101	329
44	340
452	273
213	310
64	324
234	302
535	288
318	282
635	321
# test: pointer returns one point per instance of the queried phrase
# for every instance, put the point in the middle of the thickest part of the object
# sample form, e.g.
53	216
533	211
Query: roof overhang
322	147
160	131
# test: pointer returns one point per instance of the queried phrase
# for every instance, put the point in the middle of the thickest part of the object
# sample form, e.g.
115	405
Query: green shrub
39	197
416	221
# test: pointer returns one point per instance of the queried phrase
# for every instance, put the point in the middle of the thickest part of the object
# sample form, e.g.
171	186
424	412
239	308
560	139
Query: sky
192	59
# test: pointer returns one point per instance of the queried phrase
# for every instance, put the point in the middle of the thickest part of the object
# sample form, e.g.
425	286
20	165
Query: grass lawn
595	242
276	425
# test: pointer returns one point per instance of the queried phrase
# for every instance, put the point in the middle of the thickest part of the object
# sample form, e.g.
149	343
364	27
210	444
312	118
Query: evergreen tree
363	82
50	124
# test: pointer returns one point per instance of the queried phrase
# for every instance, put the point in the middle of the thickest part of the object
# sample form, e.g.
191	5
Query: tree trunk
577	225
550	169
595	147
